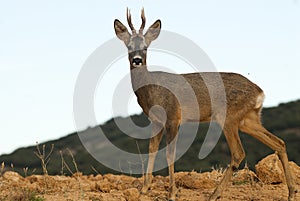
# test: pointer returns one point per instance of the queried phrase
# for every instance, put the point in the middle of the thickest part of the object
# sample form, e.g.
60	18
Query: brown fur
227	98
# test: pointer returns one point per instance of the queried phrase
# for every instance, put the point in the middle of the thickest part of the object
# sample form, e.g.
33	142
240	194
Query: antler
143	21
129	21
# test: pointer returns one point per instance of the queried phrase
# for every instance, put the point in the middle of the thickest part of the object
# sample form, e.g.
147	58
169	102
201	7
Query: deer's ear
153	32
121	31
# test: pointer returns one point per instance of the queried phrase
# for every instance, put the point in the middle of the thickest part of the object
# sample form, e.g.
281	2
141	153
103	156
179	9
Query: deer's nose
137	60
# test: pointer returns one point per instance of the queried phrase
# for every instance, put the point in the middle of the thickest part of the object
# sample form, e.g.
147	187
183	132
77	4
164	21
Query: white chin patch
137	58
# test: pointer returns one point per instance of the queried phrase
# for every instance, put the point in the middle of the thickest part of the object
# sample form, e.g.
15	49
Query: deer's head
137	43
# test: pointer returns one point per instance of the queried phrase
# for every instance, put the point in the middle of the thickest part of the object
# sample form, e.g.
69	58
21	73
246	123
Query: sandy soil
266	184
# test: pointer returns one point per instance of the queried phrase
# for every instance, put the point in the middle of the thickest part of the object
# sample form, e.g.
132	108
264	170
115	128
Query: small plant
38	198
33	171
45	158
76	174
94	169
141	158
242	182
25	170
219	169
25	195
2	169
12	167
73	160
64	164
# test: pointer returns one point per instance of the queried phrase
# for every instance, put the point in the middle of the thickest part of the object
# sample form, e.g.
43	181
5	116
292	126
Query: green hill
284	121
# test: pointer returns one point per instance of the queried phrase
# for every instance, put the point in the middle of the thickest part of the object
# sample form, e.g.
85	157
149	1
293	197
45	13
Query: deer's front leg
171	139
157	131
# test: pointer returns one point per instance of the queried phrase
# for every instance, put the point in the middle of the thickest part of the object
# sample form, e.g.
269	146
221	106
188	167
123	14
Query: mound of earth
266	184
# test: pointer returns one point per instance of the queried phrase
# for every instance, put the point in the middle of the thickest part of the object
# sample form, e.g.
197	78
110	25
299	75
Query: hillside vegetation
284	121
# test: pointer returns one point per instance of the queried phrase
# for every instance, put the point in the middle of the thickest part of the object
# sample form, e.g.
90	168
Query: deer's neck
140	76
140	80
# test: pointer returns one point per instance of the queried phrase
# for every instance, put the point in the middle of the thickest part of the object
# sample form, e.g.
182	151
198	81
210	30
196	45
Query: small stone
131	194
103	186
269	170
12	176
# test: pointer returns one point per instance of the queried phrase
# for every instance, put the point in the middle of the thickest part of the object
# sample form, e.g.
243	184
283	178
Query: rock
98	177
194	180
137	184
269	170
295	169
145	198
244	176
12	176
33	178
111	197
103	186
131	194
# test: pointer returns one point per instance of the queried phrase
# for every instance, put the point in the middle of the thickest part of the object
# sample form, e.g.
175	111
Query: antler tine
129	21
143	20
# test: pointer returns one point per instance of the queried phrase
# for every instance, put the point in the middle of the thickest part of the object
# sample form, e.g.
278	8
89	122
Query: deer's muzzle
137	60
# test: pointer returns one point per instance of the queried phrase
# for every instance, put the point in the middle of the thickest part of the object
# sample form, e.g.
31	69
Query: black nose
137	61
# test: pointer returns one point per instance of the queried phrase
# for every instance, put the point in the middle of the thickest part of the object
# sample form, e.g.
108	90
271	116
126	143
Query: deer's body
243	95
172	99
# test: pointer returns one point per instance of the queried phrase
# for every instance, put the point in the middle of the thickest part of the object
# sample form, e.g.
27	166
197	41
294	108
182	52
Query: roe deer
243	104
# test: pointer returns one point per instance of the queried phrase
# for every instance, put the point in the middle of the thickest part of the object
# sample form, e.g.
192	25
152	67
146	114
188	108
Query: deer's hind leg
237	155
157	131
252	126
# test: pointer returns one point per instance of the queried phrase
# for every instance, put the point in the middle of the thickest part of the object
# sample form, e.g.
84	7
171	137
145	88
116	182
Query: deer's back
185	96
215	91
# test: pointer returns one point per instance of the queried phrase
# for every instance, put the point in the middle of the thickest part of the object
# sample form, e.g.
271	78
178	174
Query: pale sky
43	45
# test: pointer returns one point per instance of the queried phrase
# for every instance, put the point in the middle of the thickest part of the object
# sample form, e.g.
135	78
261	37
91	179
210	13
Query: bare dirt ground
266	184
